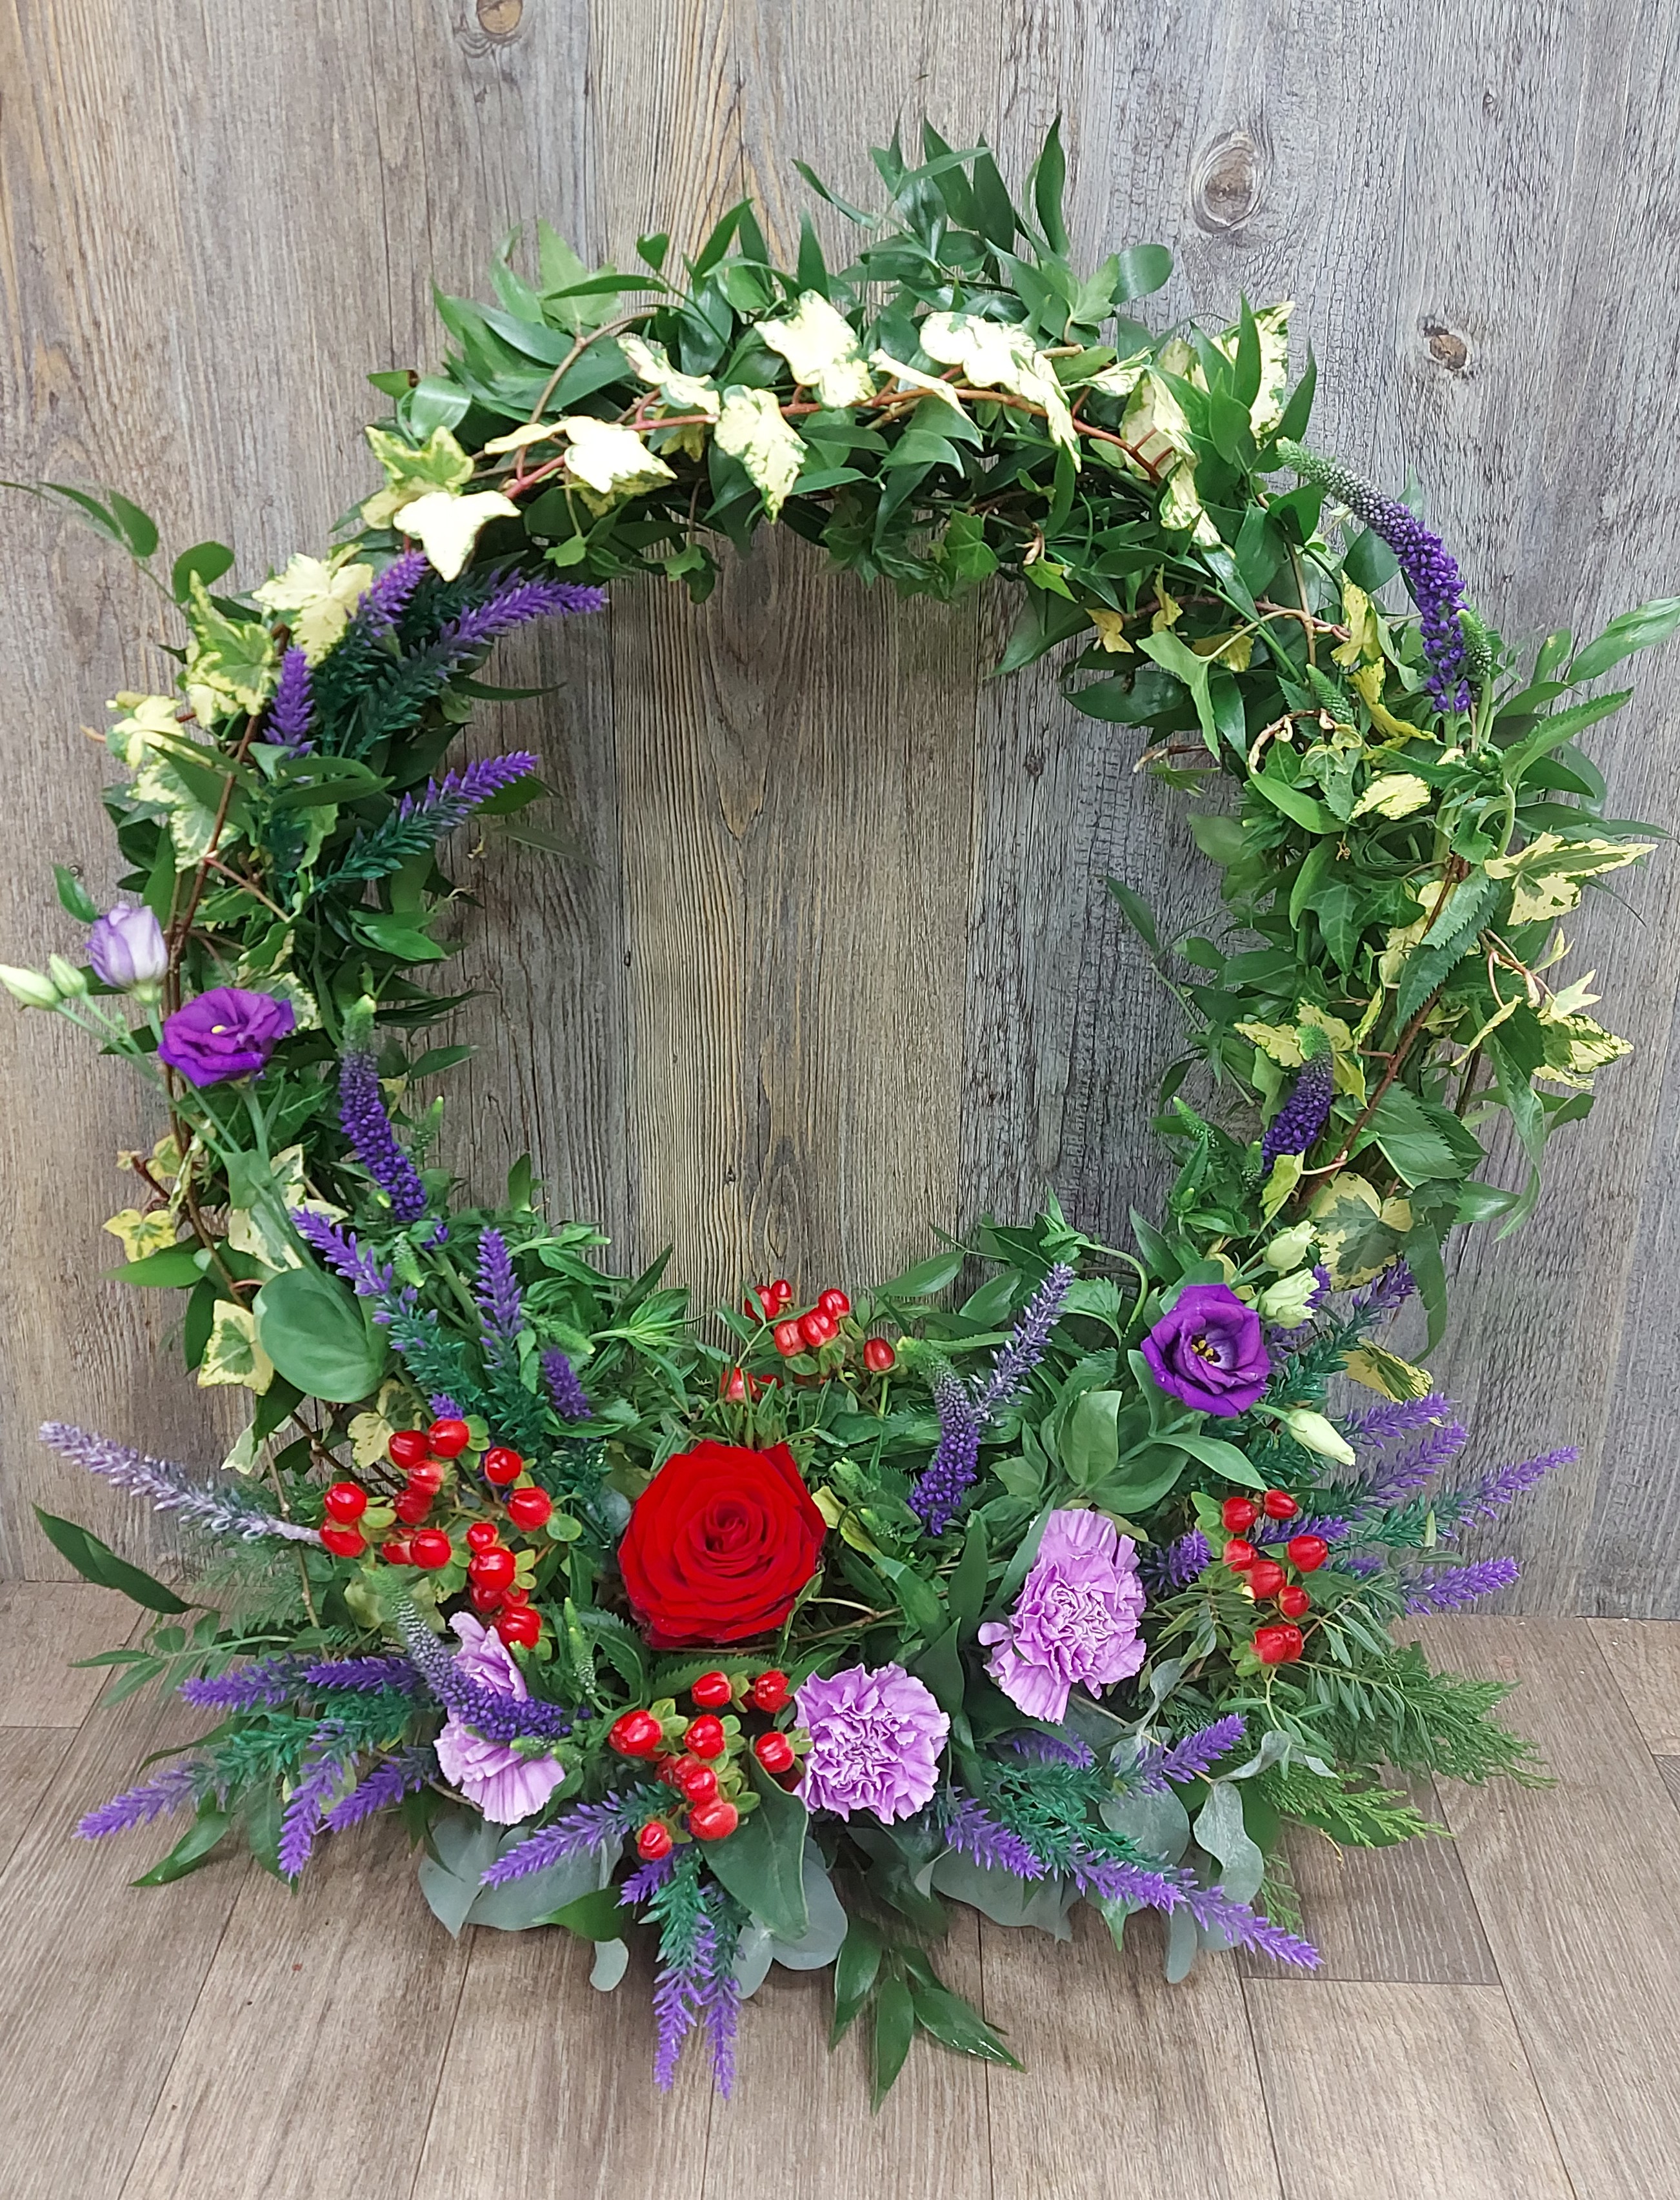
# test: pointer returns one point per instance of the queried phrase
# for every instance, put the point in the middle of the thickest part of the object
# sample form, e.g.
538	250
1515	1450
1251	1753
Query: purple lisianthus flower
1076	1621
1209	1352
875	1742
225	1032
127	949
494	1779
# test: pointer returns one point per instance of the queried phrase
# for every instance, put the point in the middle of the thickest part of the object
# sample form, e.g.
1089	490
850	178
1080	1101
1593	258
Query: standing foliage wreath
830	1611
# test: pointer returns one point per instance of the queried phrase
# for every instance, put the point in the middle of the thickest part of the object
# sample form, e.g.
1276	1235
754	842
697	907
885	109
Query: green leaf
97	1562
175	1268
73	895
1049	188
204	561
965	1591
1144	269
762	1863
1422	1143
918	1600
940	1666
1223	1458
1639	629
190	1852
926	1278
1136	914
315	1332
597	1917
1090	1443
1148	1474
139	529
954	2023
856	1969
894	2028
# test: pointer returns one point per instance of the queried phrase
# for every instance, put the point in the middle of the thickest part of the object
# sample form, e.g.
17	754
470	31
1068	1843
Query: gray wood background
832	964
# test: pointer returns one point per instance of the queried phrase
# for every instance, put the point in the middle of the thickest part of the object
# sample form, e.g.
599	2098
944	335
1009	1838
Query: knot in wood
1226	190
500	19
1447	347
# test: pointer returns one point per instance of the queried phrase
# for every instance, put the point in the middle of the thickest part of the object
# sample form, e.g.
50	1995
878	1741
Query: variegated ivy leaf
1358	1233
1235	650
751	429
1271	325
1121	379
1387	1372
1281	1042
140	1234
129	738
319	595
609	461
234	660
447	526
411	471
284	986
1359	616
994	356
1393	794
1550	872
1575	1047
521	438
257	1231
1369	681
820	347
192	823
233	1359
911	377
1111	627
683	393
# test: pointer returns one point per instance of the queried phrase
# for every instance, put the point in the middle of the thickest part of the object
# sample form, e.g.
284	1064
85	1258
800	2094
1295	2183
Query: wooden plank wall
832	964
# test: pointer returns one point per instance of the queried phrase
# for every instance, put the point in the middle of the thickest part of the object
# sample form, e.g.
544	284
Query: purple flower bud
127	949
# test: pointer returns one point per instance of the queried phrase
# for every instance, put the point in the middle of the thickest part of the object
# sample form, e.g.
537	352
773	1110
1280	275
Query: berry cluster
824	1329
1279	1643
703	1758
453	1487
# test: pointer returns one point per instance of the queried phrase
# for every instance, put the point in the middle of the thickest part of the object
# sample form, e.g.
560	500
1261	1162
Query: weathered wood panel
832	964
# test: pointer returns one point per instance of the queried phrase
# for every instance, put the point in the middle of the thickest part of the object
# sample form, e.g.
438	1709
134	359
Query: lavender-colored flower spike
1304	1115
973	1832
366	1676
497	1289
1510	1483
1176	1564
269	1681
1445	1589
497	1717
385	1786
1431	572
584	1831
291	715
1382	1425
450	801
340	1248
1187	1759
1387	1294
326	1767
646	1879
566	1394
964	1410
386	601
515	603
138	1806
169	1486
361	1110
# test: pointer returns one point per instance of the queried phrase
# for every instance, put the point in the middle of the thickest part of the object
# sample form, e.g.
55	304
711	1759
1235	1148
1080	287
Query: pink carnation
1076	1621
875	1742
494	1779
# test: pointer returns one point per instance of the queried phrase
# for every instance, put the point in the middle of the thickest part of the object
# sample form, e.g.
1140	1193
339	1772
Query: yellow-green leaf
447	526
750	428
682	392
611	461
320	595
1387	1372
993	356
233	1359
1393	794
820	346
140	1234
409	472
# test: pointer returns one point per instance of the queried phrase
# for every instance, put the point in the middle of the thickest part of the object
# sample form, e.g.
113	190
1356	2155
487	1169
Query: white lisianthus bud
28	987
69	981
1289	1249
1288	1302
1317	1434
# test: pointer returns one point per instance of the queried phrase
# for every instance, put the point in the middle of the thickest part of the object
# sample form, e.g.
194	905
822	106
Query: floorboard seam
1279	2169
442	2065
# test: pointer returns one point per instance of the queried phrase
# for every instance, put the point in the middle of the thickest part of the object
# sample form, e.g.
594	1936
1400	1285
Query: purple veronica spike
1187	1759
387	599
1431	572
291	715
676	1994
1304	1115
367	1675
646	1879
329	1759
497	1289
590	1828
1015	1360
1445	1588
138	1806
1332	1527
339	1248
361	1111
718	1996
1053	1749
568	1396
1174	1566
964	1409
170	1488
515	603
1510	1483
1387	1294
974	1832
1366	1563
497	1717
384	1787
450	801
270	1681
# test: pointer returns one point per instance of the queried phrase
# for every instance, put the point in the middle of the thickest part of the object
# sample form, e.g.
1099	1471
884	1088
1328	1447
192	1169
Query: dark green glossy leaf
97	1562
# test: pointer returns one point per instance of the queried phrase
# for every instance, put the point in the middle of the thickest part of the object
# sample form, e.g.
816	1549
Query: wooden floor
1497	2015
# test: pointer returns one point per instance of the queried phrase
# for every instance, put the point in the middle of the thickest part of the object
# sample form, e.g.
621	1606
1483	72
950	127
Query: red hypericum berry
712	1691
1279	1505
835	1304
765	1303
714	1821
485	1599
1294	1602
818	1329
654	1841
431	1549
735	1387
1238	1554
1309	1553
515	1593
483	1536
774	1752
704	1736
517	1623
428	1476
673	1771
502	1465
344	1543
490	1568
346	1502
1266	1577
788	1339
412	1506
878	1355
395	1553
530	1508
448	1438
769	1692
409	1448
637	1734
698	1784
1277	1646
1239	1513
782	1291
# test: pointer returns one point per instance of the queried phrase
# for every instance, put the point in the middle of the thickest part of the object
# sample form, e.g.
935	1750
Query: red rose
719	1544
